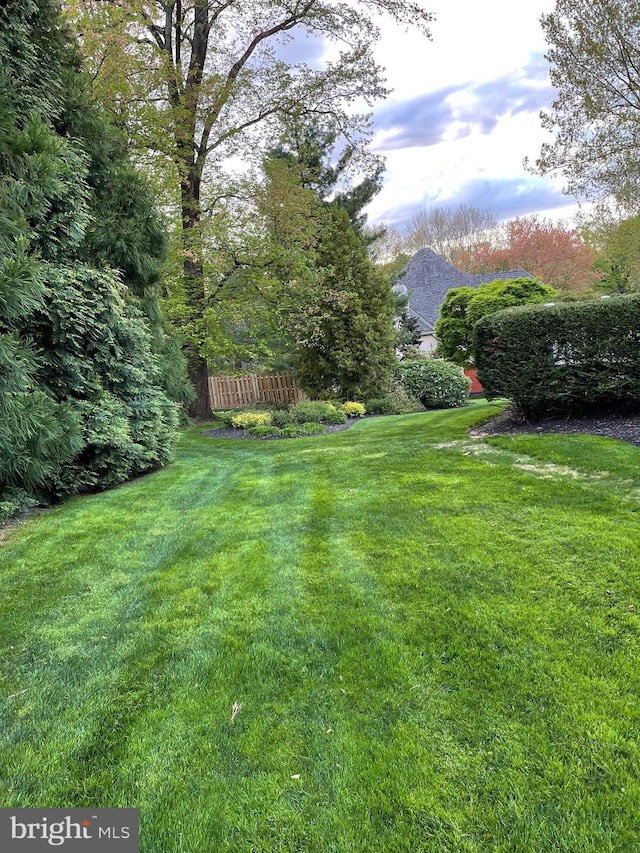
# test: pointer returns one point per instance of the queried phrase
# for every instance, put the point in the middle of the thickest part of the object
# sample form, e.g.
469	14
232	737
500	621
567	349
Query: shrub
282	417
292	431
311	428
14	501
82	347
337	416
226	417
298	430
381	406
244	420
565	357
312	411
96	358
353	410
437	384
263	431
397	402
404	403
464	306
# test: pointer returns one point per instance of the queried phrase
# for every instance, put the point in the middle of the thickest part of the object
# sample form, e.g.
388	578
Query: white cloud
464	113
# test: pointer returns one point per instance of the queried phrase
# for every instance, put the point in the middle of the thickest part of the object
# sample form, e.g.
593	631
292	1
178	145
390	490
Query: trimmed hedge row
565	357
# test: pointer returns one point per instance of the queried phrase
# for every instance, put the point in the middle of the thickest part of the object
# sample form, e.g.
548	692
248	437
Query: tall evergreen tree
79	402
311	148
352	348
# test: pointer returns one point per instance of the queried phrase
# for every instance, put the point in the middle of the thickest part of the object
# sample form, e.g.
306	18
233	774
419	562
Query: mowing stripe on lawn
354	642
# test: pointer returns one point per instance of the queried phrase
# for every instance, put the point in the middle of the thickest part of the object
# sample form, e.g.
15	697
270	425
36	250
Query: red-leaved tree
554	253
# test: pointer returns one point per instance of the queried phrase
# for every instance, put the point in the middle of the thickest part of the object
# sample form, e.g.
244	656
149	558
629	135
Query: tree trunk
194	291
199	376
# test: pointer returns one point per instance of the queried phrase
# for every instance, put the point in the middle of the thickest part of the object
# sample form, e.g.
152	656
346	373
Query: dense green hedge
82	402
565	357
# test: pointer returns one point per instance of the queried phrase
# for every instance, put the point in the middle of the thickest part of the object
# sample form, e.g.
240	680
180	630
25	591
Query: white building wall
428	343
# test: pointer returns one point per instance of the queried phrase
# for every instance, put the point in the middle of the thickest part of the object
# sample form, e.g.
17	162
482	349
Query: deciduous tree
594	51
553	252
464	306
617	243
449	232
194	80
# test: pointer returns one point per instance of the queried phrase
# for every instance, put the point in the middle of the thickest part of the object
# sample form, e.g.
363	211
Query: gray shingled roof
427	278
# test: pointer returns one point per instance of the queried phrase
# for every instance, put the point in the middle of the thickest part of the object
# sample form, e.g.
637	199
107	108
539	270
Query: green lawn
431	642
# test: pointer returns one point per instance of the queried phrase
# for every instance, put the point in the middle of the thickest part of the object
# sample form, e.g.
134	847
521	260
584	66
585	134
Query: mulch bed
625	427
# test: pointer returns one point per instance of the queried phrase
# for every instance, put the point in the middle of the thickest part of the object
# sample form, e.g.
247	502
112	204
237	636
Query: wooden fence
229	392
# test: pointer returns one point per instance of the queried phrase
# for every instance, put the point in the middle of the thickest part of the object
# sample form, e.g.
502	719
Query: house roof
428	277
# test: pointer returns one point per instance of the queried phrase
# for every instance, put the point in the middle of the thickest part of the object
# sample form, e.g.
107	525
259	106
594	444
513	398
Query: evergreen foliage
80	405
568	357
124	230
309	147
408	333
351	351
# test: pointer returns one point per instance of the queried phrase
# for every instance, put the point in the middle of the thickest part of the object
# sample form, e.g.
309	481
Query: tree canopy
348	347
464	306
553	252
594	51
195	82
616	240
451	232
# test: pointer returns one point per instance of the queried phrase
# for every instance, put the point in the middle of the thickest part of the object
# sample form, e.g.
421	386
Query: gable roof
428	277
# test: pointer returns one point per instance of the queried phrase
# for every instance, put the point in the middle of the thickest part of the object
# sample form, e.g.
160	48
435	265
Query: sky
464	113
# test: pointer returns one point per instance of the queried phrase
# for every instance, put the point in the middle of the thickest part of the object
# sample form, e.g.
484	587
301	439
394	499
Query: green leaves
347	341
594	52
464	306
437	384
79	403
568	356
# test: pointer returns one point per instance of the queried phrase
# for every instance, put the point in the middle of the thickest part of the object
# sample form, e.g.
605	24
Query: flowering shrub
438	384
353	410
244	420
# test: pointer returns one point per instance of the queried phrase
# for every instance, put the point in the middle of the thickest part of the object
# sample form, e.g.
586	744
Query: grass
394	638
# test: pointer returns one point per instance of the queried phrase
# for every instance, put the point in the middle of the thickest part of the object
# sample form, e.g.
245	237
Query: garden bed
230	432
624	427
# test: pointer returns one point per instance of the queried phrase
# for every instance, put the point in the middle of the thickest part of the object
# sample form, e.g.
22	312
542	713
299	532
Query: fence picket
229	392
